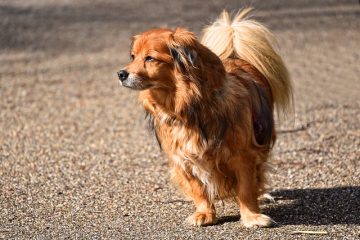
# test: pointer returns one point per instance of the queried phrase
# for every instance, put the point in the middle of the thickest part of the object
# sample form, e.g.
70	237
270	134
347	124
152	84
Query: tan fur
213	116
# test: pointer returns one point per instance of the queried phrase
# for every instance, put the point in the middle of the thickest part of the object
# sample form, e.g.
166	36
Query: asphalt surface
76	159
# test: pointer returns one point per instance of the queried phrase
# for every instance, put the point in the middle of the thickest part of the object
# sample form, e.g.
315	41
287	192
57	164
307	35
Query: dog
211	105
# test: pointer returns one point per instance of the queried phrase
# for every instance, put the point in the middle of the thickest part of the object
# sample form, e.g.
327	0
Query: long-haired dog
211	106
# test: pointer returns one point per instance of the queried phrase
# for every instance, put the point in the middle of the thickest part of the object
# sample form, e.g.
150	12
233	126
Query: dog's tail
249	40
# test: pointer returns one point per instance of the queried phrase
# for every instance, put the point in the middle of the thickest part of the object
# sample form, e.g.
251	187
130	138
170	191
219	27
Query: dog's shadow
330	206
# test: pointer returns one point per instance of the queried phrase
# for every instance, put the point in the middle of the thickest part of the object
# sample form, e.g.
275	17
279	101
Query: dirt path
76	160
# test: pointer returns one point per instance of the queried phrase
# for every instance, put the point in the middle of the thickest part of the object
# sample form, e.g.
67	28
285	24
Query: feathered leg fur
205	212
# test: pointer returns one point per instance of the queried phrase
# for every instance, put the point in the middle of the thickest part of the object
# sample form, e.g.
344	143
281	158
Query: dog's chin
135	85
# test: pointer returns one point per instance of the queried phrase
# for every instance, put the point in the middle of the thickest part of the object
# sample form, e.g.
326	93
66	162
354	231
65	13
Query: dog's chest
183	142
186	148
177	139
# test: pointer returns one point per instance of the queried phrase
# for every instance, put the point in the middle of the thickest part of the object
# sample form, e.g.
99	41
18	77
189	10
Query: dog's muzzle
131	80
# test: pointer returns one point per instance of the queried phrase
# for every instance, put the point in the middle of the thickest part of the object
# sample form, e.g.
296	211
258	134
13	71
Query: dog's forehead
155	39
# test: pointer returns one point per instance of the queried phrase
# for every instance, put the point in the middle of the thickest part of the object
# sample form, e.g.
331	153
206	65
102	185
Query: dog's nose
123	75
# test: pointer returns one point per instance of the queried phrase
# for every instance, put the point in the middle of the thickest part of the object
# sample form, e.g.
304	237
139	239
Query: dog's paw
257	220
201	219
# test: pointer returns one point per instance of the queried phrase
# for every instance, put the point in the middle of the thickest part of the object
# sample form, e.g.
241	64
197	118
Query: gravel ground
76	159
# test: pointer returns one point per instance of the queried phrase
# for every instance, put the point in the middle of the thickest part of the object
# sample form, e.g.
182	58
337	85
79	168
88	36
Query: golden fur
249	40
211	107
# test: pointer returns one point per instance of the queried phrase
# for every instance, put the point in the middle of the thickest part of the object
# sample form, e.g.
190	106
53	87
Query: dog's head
159	56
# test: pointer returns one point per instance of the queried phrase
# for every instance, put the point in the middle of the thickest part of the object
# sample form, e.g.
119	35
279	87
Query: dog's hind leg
205	211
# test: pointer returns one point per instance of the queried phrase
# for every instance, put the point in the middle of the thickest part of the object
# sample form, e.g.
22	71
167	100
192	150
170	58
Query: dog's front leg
247	193
205	211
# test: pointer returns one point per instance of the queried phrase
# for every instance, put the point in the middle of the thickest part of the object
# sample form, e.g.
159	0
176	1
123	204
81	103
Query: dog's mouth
135	83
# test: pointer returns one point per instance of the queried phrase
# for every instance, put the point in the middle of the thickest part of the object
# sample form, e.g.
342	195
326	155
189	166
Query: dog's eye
132	56
149	59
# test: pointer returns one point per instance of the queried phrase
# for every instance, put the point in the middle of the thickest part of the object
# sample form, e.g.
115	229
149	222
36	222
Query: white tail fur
249	40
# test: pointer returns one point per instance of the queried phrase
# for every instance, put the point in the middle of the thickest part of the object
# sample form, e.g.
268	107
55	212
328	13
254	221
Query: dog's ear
182	47
133	39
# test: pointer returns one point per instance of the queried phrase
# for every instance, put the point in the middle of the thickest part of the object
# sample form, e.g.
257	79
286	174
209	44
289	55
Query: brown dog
211	105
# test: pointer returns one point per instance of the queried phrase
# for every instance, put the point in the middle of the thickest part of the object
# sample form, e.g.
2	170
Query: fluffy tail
252	42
